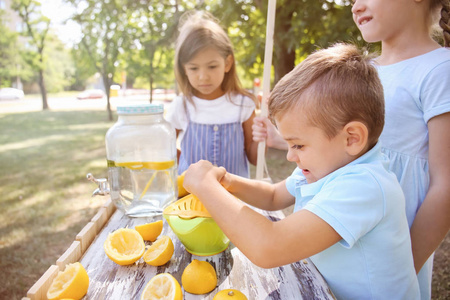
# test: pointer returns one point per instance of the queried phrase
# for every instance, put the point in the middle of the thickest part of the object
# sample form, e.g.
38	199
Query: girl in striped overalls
214	115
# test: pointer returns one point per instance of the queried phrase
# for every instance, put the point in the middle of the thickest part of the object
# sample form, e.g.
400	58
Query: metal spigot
102	185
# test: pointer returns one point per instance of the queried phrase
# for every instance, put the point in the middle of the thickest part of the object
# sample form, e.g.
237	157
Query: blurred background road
69	101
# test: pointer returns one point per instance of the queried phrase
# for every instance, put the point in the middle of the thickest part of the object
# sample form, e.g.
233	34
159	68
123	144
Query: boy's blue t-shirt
364	203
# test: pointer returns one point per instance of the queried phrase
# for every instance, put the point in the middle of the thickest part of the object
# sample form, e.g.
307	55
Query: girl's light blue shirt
415	91
364	203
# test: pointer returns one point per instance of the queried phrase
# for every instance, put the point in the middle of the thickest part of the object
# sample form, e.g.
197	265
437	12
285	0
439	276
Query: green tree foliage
104	36
141	34
59	70
8	53
83	68
153	28
301	26
37	27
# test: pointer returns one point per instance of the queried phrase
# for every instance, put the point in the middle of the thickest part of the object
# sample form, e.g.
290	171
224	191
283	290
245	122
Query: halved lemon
160	252
164	287
181	190
150	231
71	283
124	246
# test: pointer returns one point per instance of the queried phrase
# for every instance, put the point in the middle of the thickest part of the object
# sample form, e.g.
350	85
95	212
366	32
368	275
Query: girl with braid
415	72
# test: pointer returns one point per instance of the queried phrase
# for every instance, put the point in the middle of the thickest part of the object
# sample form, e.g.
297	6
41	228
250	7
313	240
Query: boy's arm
257	193
267	244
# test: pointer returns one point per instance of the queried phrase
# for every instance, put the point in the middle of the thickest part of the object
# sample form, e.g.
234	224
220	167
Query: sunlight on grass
89	126
96	164
46	198
15	237
37	142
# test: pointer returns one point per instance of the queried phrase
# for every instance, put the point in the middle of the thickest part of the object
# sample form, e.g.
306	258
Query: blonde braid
445	21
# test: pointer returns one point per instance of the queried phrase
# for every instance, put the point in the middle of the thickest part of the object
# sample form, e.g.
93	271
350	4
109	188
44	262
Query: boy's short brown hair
333	87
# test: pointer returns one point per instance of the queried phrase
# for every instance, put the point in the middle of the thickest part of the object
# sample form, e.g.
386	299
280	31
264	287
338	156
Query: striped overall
221	144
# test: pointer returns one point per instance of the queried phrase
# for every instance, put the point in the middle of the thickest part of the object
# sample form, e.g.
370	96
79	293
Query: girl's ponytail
444	22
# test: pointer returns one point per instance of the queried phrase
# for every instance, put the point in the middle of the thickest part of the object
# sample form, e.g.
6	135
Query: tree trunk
284	56
151	87
150	77
106	84
43	90
285	62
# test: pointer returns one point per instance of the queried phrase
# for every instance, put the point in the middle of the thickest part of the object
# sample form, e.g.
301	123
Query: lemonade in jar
142	160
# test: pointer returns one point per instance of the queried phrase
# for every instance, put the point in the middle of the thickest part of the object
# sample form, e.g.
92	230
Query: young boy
349	216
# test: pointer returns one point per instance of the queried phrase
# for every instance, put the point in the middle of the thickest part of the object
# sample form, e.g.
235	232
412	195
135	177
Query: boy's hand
200	174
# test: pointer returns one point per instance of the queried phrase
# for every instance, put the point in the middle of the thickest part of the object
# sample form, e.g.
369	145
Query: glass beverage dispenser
142	160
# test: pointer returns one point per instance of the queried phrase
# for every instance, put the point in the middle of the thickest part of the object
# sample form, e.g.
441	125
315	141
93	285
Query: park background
49	140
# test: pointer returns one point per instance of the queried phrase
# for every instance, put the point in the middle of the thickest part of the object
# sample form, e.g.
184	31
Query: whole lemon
199	277
230	294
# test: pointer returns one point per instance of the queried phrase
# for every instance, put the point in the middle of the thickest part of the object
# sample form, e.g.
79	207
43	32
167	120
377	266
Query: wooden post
270	27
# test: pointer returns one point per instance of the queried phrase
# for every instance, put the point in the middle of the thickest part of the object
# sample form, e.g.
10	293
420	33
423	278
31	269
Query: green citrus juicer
194	227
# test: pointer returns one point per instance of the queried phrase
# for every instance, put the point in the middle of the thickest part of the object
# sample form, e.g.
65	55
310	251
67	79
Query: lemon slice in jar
152	165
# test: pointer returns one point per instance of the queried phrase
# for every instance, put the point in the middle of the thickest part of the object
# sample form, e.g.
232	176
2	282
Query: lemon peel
72	283
150	231
124	246
160	252
162	286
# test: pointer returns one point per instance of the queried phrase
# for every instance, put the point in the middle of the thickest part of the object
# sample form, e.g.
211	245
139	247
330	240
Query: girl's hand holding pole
264	130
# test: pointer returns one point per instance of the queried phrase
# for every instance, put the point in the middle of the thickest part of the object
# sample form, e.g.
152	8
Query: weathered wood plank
39	290
110	207
108	280
72	254
100	219
87	235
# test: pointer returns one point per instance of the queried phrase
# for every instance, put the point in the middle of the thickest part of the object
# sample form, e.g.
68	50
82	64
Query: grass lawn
46	199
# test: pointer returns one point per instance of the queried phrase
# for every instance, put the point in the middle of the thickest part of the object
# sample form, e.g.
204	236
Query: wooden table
111	281
107	280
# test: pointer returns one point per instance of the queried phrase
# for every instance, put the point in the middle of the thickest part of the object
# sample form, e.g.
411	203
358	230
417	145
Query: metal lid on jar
139	109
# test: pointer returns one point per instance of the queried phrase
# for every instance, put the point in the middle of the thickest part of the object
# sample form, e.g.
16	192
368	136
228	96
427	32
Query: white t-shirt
217	111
